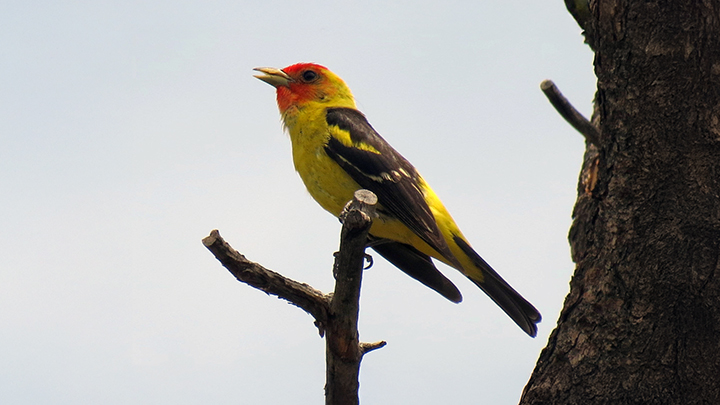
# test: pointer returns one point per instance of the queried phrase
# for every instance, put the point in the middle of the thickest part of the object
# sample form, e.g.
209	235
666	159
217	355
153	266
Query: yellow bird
336	152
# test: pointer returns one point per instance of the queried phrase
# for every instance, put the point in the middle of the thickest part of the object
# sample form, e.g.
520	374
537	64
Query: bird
336	151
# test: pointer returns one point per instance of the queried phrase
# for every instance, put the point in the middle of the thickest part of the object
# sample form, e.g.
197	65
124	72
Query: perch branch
343	348
336	315
302	295
571	115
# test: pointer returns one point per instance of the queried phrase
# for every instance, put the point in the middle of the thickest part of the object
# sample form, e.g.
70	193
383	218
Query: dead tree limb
343	349
335	315
571	115
302	295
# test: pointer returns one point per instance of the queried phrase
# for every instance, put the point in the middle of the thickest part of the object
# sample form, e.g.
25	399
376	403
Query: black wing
386	173
416	265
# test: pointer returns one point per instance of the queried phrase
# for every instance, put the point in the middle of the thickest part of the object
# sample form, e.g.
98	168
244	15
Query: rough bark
641	324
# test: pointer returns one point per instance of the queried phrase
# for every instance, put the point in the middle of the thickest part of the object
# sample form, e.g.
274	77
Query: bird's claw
370	262
368	258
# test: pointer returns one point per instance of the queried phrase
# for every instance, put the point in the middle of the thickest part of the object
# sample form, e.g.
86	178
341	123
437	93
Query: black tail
518	308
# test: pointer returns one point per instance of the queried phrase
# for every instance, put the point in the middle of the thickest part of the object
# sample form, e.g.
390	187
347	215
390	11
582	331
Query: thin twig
571	115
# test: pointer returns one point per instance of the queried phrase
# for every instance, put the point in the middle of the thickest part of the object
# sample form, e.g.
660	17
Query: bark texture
641	324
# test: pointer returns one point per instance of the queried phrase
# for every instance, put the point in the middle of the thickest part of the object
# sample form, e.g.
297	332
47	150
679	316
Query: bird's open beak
273	77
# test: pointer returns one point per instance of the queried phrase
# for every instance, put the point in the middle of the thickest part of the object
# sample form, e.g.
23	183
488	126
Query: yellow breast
326	182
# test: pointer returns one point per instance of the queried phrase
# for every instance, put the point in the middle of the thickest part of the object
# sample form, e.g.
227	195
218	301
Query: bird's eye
309	76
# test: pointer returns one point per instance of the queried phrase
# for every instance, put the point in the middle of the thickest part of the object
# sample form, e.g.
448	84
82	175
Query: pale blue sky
129	130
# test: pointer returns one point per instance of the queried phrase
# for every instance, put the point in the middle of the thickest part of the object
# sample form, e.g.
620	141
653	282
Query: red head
303	83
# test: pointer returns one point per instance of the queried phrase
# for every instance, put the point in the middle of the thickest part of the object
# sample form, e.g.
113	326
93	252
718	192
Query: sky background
129	130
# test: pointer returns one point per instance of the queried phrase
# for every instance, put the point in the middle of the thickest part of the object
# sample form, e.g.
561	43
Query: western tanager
336	152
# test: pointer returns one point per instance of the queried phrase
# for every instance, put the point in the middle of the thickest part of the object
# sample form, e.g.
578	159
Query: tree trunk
641	324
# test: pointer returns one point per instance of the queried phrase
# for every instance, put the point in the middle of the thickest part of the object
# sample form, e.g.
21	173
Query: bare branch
343	349
571	115
336	314
302	295
368	347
